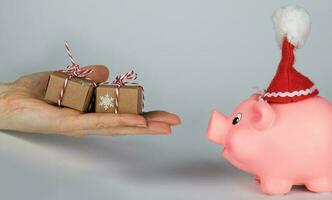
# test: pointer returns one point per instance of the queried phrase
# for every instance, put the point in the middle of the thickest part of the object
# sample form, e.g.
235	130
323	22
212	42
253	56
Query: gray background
191	56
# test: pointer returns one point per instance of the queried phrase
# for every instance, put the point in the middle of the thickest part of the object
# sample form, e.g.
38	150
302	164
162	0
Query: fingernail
167	131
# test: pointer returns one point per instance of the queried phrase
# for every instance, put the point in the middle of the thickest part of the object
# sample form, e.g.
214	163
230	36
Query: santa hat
292	25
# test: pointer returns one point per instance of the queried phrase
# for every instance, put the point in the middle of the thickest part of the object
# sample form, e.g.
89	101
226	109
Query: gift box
76	94
71	87
122	96
129	100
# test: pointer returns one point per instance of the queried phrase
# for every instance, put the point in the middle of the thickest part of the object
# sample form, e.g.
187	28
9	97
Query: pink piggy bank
282	144
284	135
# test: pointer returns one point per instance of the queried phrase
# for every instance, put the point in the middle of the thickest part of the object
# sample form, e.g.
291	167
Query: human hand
23	109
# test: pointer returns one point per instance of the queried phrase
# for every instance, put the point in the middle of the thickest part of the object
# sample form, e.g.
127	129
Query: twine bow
260	92
73	70
122	80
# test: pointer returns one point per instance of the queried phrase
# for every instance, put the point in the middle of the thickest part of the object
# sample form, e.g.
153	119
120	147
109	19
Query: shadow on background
139	160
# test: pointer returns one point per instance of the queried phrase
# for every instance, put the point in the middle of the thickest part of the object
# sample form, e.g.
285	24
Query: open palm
22	109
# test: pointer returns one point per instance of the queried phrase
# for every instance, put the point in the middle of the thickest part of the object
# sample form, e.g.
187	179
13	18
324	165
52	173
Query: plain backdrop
191	56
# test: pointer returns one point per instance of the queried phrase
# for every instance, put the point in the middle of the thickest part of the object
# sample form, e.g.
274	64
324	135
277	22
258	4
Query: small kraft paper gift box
77	94
70	87
120	97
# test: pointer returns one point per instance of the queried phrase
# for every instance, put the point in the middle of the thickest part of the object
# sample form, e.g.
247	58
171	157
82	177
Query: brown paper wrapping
130	99
78	92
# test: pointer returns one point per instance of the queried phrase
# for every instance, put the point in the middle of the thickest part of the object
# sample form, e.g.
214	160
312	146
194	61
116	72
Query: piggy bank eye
237	119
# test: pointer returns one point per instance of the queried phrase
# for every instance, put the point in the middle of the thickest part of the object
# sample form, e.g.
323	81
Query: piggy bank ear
263	116
255	96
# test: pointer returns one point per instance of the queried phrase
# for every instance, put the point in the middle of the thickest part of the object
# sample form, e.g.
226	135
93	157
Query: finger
37	81
101	121
100	73
162	116
153	128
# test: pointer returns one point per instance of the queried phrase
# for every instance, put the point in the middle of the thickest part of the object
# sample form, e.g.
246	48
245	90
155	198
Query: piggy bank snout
217	127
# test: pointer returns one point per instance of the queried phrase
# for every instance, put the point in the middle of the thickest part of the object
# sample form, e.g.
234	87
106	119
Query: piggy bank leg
320	185
275	186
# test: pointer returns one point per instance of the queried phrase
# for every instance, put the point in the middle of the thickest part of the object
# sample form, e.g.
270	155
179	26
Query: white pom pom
292	22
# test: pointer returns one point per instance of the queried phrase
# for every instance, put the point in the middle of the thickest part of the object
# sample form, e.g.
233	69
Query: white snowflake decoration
106	101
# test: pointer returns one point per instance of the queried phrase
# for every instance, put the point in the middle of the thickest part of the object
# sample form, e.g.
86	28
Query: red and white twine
73	70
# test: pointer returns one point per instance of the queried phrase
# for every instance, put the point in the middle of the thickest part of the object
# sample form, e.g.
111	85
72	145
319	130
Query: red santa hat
292	25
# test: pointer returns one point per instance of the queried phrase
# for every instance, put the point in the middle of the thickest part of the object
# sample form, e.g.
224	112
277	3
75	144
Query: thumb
100	73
